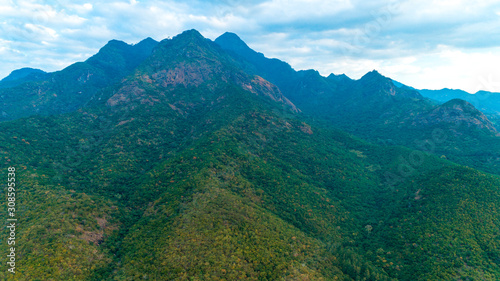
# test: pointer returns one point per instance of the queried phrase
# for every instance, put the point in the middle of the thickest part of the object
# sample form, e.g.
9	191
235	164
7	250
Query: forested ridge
194	168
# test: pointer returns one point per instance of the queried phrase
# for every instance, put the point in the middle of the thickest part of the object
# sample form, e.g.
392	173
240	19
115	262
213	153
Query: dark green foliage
207	173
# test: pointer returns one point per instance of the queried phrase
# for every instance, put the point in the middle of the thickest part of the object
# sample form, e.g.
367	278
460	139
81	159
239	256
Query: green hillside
191	168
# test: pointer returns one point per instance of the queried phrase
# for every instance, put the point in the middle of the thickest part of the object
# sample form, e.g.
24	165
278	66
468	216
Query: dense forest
193	167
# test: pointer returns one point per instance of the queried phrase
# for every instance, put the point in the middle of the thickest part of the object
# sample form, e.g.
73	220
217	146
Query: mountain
487	102
279	72
445	94
336	96
193	167
376	109
191	60
458	111
22	75
28	92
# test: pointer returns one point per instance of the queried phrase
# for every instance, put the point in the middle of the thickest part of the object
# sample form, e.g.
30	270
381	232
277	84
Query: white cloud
426	44
278	11
41	31
456	69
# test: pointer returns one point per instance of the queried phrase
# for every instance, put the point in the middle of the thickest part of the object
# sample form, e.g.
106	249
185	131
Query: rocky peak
373	75
340	77
374	83
187	37
189	60
232	42
147	45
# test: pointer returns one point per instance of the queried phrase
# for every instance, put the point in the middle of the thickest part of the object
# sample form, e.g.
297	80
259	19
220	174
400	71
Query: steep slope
73	87
272	69
278	72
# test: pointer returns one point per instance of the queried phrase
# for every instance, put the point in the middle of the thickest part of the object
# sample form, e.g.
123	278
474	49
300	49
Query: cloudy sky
421	43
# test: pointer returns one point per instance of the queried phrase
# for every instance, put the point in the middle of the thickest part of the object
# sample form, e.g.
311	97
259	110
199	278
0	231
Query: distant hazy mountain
487	102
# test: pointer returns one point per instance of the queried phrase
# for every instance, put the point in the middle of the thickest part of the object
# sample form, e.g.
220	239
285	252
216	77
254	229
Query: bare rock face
260	86
190	61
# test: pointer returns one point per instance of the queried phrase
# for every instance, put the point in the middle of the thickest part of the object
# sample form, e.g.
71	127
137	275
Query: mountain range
487	102
377	110
192	159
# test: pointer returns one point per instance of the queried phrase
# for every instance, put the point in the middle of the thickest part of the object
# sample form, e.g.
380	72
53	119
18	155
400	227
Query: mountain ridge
191	60
376	109
485	101
22	73
73	87
190	167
